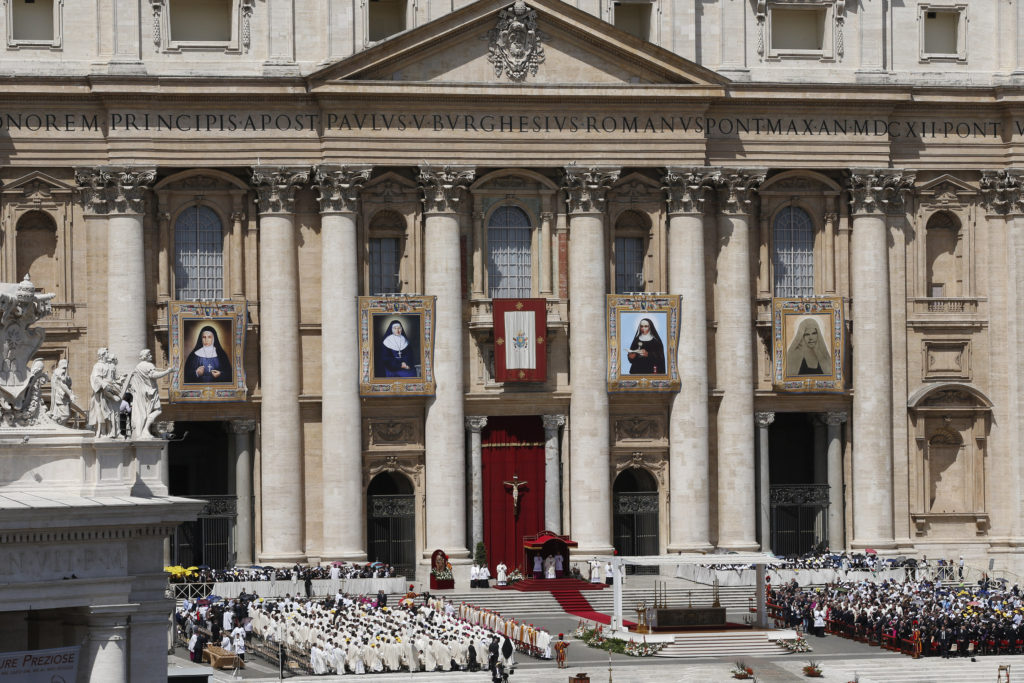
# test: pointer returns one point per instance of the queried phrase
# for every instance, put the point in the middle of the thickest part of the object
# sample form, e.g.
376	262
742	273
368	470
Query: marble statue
61	396
145	395
106	394
21	399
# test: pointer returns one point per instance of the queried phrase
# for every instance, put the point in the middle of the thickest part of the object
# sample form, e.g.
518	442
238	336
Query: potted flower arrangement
514	576
742	671
812	669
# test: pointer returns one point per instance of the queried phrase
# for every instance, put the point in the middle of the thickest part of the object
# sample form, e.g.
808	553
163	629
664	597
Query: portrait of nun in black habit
208	361
646	353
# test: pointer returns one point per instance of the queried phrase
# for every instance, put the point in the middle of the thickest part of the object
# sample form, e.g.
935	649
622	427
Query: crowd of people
923	616
359	634
335	570
943	569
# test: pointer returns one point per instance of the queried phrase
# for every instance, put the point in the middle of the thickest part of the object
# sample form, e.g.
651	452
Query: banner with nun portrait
396	345
643	333
207	341
808	345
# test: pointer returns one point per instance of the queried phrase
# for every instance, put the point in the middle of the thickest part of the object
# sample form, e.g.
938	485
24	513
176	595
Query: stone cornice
338	187
687	189
276	185
882	191
737	188
114	189
444	188
586	189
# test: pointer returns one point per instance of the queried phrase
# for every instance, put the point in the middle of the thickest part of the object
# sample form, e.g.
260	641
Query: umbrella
203	566
337	564
870	551
214	598
377	564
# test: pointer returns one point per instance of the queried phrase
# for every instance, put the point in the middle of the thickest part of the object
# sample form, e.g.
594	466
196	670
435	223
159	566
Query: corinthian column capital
586	189
1002	191
276	185
114	189
338	187
879	190
836	417
475	423
243	426
764	419
737	188
687	189
443	188
553	422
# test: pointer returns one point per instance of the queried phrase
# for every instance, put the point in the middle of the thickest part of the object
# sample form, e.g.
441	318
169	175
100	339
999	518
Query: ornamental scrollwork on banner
515	43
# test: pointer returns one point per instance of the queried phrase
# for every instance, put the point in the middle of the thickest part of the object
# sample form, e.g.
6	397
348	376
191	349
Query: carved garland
655	464
407	465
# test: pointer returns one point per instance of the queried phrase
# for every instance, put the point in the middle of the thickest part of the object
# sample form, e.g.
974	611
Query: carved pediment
36	187
535	42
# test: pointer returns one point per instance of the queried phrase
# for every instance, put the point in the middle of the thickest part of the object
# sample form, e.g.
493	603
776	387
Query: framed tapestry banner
807	345
396	345
520	340
643	333
207	345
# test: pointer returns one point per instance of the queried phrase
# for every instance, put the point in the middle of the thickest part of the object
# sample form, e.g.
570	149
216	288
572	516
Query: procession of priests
348	634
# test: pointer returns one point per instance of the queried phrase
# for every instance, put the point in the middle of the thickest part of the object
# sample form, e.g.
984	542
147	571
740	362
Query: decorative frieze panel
638	428
393	433
947	360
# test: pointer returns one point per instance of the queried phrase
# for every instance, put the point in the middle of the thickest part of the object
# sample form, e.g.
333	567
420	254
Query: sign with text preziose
57	665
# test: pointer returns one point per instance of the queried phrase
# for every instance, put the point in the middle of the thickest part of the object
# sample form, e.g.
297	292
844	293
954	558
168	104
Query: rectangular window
385	18
200	21
384	266
942	32
629	264
634	18
34	23
798	29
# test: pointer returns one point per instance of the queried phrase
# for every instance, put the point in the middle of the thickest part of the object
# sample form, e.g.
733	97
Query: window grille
384	278
509	259
793	253
629	264
198	255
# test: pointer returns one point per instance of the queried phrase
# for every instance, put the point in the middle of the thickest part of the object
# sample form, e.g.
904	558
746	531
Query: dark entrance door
799	506
635	516
391	522
198	466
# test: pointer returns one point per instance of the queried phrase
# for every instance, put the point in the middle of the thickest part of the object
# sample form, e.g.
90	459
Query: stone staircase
736	644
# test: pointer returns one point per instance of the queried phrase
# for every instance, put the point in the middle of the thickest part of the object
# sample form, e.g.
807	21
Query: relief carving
515	43
653	463
392	432
632	428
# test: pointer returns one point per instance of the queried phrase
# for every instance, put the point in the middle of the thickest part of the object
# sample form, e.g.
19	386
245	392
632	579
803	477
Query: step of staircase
721	644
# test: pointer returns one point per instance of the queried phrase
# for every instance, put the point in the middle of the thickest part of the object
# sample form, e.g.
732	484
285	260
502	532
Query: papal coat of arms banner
807	345
520	340
643	333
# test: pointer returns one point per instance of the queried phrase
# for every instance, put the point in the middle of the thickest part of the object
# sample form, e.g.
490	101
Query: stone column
689	512
120	193
871	194
478	249
764	501
443	191
281	470
590	474
734	360
820	472
237	250
546	252
243	430
552	473
836	516
342	455
105	657
163	288
476	423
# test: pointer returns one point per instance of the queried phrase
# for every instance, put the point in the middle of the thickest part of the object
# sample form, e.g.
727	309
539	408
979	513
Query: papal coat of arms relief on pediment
515	47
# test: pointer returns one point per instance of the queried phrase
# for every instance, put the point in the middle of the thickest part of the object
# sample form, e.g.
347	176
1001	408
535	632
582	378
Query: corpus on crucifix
515	484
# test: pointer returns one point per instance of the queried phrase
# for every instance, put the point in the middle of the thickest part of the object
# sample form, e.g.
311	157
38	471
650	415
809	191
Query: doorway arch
635	506
391	521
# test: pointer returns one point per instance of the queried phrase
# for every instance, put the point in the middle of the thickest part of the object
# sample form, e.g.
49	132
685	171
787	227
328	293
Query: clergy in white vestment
502	574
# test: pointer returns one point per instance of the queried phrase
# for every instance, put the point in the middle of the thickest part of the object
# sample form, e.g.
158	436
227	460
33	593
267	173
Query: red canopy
538	541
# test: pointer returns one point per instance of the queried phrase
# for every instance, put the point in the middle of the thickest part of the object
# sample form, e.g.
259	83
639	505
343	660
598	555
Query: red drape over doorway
512	445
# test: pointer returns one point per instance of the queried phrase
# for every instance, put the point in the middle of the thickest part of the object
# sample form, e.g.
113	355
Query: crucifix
515	484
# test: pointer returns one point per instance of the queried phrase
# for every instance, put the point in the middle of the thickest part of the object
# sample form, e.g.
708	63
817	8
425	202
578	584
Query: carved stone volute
737	189
1001	191
586	189
276	185
114	189
338	187
687	189
879	191
444	188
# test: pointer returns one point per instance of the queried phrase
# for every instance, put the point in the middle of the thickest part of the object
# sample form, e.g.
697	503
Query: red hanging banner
520	340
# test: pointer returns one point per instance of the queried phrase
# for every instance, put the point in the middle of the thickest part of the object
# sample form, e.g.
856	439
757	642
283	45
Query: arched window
793	253
509	258
198	255
630	229
941	239
36	250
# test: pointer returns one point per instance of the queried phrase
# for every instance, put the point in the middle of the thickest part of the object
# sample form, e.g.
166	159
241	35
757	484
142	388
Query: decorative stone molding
635	427
246	8
586	189
409	465
656	464
879	191
276	185
1001	191
737	188
552	422
338	187
120	533
392	432
444	188
798	494
114	189
764	420
687	189
243	426
475	423
515	43
158	8
836	417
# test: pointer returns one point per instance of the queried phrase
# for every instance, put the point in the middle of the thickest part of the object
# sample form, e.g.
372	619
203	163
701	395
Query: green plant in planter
480	554
812	669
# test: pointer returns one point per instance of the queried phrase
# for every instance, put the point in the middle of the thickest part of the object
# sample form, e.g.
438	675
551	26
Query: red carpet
573	602
552	585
